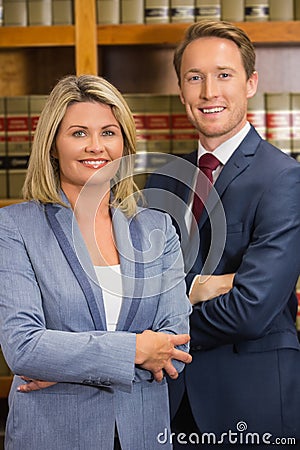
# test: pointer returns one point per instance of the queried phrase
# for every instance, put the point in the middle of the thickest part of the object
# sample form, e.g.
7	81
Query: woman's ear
53	151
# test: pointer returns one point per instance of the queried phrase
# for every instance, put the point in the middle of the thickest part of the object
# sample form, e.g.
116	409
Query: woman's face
89	137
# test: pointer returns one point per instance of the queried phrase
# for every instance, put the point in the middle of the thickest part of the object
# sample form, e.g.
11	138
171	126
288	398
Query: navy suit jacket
246	353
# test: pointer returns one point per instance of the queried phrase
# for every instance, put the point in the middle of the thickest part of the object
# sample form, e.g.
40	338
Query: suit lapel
70	242
129	245
234	167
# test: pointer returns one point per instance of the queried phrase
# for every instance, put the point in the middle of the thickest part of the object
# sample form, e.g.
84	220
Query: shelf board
9	201
37	36
259	32
5	383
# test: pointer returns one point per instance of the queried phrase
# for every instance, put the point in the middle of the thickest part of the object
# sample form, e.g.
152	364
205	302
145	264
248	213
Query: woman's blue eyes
82	133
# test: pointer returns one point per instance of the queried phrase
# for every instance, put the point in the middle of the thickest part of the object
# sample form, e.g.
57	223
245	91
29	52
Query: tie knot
208	161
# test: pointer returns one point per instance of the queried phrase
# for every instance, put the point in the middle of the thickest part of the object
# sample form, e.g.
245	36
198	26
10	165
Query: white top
110	280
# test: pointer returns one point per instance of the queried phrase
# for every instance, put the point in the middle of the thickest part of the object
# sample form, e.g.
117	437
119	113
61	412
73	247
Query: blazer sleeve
265	281
32	349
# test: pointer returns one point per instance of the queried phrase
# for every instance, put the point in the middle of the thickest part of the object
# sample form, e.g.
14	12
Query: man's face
215	89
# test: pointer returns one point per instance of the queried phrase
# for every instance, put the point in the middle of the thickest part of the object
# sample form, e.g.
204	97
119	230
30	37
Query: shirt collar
225	150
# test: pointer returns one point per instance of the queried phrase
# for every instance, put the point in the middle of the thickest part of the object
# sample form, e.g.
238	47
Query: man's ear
252	83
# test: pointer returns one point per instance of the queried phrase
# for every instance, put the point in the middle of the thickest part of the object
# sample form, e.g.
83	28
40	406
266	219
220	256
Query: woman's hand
155	351
207	287
34	385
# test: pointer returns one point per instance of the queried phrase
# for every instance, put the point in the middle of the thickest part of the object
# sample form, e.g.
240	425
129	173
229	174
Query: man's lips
94	163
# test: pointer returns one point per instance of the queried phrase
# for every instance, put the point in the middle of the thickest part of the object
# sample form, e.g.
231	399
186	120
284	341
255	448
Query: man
243	385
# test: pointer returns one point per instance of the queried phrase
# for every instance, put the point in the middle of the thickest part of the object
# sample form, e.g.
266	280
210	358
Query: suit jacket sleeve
266	278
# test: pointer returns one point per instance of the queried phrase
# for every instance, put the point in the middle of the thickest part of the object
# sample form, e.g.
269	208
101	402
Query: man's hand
207	287
155	351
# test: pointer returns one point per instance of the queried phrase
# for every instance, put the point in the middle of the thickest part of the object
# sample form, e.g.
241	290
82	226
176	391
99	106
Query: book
232	10
208	9
35	106
157	11
157	119
132	11
62	12
3	159
182	11
297	10
108	12
15	13
18	142
278	120
281	10
39	12
256	113
136	103
183	134
295	123
256	10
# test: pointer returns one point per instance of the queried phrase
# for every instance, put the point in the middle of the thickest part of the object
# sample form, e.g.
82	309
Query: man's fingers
181	356
179	339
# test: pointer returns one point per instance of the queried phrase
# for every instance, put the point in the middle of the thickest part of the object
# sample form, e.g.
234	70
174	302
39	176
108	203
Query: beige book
132	11
183	134
1	13
297	9
39	12
281	9
232	10
62	12
208	9
256	113
182	11
17	168
157	119
108	12
278	120
157	11
295	122
256	10
136	103
15	13
36	104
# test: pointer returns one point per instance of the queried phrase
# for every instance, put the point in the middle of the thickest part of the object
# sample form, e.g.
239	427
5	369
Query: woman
92	287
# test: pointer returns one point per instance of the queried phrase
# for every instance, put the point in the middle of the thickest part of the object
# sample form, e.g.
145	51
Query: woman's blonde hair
42	182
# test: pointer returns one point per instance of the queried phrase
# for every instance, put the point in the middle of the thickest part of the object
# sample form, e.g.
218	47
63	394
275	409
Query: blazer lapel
129	245
235	166
68	236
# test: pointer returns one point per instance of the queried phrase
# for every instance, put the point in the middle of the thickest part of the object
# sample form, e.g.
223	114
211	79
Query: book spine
256	113
182	11
297	10
36	104
232	10
281	10
39	12
278	120
136	103
15	13
108	12
158	128
3	156
18	142
62	12
208	9
295	119
157	11
256	10
183	134
1	13
132	11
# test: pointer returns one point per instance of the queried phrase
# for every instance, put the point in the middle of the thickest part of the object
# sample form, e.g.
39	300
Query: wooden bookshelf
9	201
259	33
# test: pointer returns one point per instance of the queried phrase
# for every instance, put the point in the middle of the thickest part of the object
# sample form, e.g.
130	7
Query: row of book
162	127
61	12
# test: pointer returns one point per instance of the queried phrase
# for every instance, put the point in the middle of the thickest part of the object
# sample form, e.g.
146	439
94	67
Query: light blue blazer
53	327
